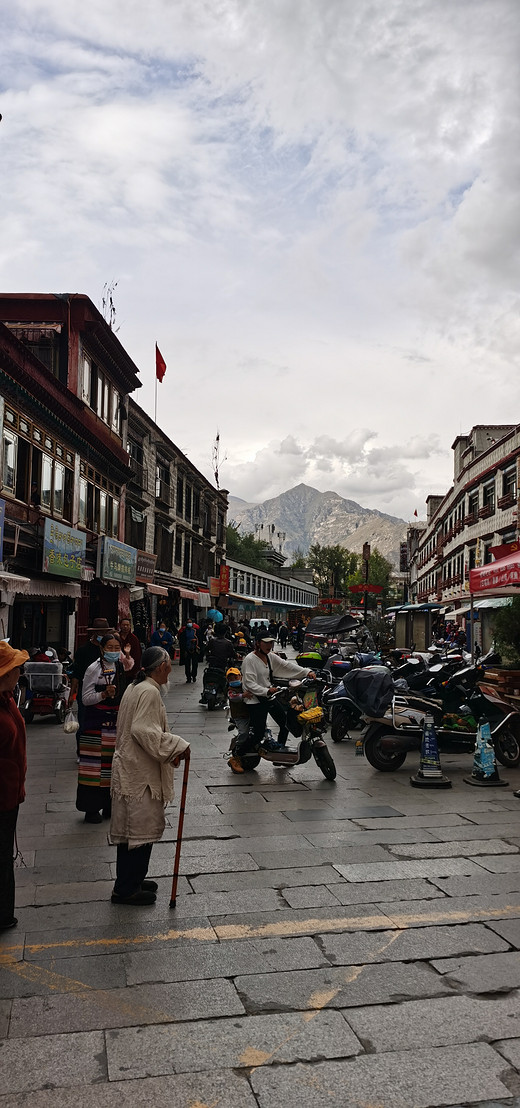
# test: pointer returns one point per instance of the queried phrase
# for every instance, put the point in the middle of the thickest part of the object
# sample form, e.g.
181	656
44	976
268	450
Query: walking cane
173	898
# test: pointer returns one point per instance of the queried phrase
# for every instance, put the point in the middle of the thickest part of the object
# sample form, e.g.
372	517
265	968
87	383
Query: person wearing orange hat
13	766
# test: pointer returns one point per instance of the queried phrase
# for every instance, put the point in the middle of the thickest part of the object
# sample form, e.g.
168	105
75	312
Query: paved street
354	943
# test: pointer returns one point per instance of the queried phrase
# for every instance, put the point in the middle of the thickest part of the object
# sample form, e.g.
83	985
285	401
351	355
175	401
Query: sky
310	205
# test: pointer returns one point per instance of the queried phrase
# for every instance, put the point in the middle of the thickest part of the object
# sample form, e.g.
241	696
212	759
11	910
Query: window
489	496
82	501
162	482
103	512
186	562
85	381
115	417
187	504
473	504
180	496
509	482
59	488
178	549
46	485
10	453
115	519
196	508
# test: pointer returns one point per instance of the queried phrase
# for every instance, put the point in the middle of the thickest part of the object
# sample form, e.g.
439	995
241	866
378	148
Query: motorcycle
44	691
214	688
341	709
395	720
302	697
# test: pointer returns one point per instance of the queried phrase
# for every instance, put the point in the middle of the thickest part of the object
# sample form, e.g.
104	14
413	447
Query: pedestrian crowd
126	753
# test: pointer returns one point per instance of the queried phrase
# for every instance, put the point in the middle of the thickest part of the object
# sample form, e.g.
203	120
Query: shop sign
330	600
214	586
224	580
145	567
366	588
64	550
2	523
116	561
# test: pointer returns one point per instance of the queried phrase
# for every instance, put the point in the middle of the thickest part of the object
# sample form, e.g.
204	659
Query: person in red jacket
13	766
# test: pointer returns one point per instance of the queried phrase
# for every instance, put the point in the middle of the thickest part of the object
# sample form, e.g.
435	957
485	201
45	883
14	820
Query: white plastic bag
71	724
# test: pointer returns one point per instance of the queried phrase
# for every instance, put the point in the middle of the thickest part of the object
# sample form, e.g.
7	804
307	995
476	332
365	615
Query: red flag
415	513
160	364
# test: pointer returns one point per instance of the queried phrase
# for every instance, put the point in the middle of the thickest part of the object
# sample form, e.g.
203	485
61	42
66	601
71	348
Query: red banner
330	600
504	550
496	575
224	579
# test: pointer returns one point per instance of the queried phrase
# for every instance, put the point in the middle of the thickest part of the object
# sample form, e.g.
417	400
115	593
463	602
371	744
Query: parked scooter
342	712
214	688
395	720
303	698
44	691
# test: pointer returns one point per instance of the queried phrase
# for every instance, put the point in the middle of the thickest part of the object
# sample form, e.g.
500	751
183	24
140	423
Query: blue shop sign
64	550
116	561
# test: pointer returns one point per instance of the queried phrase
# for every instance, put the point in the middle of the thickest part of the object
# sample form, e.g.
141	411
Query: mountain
308	516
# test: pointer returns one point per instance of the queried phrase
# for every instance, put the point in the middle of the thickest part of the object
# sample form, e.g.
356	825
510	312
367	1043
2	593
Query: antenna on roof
216	460
108	308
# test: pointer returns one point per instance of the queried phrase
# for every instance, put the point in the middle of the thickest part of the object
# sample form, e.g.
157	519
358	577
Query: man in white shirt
259	672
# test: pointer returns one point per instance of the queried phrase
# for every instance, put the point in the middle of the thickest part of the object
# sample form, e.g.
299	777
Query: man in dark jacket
220	651
13	766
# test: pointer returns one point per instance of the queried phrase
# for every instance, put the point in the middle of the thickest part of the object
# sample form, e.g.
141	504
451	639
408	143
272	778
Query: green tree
300	560
333	567
246	549
506	627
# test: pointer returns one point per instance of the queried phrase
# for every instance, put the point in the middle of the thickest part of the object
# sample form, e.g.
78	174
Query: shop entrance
39	623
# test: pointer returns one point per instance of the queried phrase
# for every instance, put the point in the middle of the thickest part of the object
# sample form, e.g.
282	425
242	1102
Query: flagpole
155	417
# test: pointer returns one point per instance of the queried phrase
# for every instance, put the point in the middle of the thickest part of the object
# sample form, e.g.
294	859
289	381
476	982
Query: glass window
46	489
10	450
489	496
85	381
103	512
59	488
82	501
115	519
114	416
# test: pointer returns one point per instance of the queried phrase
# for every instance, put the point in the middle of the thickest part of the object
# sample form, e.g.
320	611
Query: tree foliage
506	627
335	569
300	559
246	549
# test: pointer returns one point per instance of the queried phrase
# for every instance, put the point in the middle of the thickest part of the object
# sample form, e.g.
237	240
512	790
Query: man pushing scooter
260	668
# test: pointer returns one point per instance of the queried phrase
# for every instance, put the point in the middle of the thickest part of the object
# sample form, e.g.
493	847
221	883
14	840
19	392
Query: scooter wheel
325	762
250	761
212	700
383	760
339	725
507	748
60	713
28	717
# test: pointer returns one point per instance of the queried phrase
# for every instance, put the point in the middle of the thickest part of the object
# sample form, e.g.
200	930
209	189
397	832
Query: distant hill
308	516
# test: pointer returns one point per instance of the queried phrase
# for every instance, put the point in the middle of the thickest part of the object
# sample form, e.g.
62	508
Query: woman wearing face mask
103	686
162	637
189	650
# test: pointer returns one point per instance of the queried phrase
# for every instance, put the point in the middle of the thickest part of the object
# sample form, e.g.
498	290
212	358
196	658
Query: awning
203	600
497	576
187	594
491	602
136	593
39	587
157	590
12	582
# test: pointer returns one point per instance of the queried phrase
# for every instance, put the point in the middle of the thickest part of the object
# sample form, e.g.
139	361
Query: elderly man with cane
142	777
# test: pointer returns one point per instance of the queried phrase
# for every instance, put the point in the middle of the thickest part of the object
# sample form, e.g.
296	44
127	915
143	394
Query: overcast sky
311	205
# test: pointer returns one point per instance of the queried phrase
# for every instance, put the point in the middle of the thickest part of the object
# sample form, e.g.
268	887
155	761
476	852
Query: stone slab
386	871
263	879
369	838
135	934
453	1019
484	885
52	1062
451	910
5	1013
271	859
405	946
310	896
486	973
213	903
244	1041
433	820
63	874
338	988
510	1050
349	812
370	892
500	830
454	849
508	930
204	863
174	962
134	1006
500	863
505	818
202	1090
294	922
418	1079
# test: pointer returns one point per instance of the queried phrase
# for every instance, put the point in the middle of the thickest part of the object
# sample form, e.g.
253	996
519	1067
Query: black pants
131	868
7	832
191	665
258	714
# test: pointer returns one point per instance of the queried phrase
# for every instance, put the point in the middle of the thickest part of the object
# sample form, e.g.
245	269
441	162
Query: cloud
311	206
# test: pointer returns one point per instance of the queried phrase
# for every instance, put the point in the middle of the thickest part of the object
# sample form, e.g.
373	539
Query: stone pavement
354	943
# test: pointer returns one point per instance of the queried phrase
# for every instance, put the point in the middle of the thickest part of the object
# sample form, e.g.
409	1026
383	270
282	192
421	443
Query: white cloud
312	207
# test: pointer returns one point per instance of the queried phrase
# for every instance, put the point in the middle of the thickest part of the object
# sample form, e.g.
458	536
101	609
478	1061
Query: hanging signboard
64	550
116	561
224	579
145	567
214	586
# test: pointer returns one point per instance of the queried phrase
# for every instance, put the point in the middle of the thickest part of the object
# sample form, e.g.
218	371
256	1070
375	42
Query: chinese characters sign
116	561
224	579
64	550
145	568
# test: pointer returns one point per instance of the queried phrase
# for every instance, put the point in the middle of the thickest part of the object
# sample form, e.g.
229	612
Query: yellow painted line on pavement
276	928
